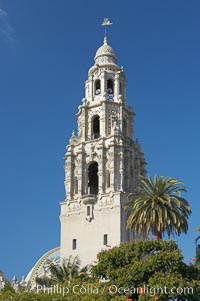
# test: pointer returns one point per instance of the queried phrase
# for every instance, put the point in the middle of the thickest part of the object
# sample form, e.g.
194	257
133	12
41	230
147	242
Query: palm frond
159	207
196	240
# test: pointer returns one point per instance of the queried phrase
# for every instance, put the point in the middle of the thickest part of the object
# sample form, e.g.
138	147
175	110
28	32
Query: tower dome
105	54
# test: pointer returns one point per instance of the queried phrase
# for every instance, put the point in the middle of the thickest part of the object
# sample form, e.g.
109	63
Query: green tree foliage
148	264
4	277
197	247
159	207
64	273
7	293
86	296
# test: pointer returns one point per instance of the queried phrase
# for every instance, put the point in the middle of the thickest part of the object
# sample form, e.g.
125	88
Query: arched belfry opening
97	87
96	127
110	86
93	181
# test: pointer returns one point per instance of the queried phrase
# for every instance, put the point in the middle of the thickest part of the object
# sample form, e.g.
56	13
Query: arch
95	127
41	265
110	86
97	87
93	179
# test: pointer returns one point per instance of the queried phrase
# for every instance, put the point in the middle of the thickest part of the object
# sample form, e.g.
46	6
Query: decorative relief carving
68	163
95	110
78	163
96	73
110	75
106	202
113	115
73	207
113	111
111	195
97	98
104	59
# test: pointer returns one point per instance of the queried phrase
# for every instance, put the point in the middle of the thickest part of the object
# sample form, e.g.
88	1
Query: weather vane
106	22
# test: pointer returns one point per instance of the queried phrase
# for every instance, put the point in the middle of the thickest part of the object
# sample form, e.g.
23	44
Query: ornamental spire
106	22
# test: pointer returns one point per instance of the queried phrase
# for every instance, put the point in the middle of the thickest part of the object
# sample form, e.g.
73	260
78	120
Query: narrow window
97	87
124	127
110	86
131	179
88	210
74	244
76	185
96	127
93	178
105	239
120	88
108	179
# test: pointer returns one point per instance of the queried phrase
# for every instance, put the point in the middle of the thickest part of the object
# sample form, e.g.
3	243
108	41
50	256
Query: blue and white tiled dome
105	54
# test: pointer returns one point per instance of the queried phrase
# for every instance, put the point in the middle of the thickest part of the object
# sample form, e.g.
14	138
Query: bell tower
103	164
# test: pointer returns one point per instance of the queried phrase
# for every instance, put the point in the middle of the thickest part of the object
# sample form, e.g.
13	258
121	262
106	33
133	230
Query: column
103	83
116	87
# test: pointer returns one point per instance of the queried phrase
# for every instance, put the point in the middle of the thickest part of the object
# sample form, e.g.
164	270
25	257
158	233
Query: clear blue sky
46	49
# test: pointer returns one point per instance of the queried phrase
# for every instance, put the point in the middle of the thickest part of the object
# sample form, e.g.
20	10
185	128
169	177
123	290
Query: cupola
105	54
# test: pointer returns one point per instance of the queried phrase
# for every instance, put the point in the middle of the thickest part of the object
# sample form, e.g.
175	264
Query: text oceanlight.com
113	289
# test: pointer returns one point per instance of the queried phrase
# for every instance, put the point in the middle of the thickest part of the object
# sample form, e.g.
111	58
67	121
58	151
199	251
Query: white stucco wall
89	235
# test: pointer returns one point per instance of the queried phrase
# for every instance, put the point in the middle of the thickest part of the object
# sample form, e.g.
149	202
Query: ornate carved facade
102	163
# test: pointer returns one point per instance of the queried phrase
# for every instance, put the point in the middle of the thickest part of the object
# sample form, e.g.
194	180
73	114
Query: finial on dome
105	54
106	22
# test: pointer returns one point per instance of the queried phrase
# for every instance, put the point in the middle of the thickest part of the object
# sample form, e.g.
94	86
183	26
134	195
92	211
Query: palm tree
198	237
60	274
159	208
197	247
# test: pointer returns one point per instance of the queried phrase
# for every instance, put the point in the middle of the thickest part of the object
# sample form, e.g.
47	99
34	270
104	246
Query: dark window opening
97	87
110	86
108	179
74	244
105	239
76	185
93	178
88	210
124	127
96	127
120	88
